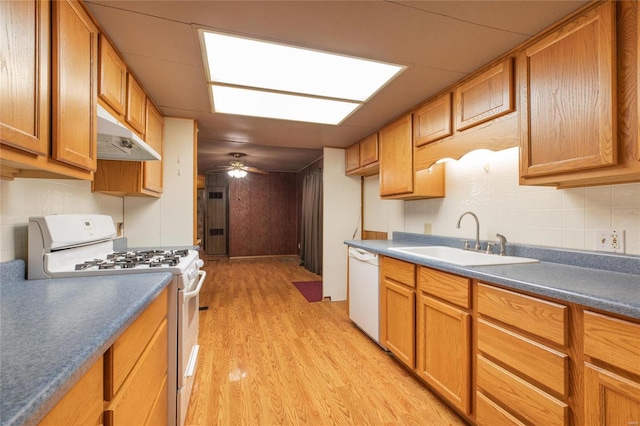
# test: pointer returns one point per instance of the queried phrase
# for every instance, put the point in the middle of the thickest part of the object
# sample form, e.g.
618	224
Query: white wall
544	216
381	215
341	216
23	198
167	221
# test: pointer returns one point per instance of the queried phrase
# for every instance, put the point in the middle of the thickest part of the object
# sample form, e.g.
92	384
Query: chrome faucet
477	247
503	243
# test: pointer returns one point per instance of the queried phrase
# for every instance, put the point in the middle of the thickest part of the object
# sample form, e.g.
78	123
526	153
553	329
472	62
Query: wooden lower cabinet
145	387
128	384
398	309
82	404
522	358
502	357
611	371
443	335
136	370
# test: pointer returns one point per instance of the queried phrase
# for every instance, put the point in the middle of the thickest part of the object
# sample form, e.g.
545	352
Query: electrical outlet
427	228
610	240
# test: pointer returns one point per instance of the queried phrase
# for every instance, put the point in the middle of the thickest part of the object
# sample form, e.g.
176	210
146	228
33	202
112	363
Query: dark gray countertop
52	331
603	281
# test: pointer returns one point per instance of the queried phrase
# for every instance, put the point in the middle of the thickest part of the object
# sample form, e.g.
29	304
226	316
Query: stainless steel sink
461	257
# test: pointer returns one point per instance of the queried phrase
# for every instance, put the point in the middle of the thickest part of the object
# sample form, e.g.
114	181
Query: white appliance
364	292
74	245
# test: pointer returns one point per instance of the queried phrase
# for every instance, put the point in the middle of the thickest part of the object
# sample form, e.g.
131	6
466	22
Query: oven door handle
189	294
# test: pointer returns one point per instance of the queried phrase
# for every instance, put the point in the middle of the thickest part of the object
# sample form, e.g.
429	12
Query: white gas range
73	245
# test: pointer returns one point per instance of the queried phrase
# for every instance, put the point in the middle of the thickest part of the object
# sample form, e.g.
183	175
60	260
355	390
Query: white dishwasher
364	292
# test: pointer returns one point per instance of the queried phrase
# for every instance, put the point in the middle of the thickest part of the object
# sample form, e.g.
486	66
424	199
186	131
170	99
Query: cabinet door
396	158
432	121
136	105
610	399
369	150
24	75
444	350
567	96
113	77
152	174
352	157
397	323
485	97
75	91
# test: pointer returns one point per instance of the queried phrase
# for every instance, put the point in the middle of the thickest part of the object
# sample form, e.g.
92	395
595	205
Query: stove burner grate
132	259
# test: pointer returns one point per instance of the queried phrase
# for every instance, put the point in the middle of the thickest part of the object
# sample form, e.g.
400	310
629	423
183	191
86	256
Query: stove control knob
199	263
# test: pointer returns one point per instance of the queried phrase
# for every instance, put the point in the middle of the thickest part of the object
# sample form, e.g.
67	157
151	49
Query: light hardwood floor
269	357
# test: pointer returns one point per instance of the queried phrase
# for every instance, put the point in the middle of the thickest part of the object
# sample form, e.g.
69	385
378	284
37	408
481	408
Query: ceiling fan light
237	173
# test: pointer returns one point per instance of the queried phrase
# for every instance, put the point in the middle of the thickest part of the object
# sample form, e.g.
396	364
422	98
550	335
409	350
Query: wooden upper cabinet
369	150
24	79
352	157
136	105
485	97
433	121
361	158
567	97
396	157
74	82
152	173
113	78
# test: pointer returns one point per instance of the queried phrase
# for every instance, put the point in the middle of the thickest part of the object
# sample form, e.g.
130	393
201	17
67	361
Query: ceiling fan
237	168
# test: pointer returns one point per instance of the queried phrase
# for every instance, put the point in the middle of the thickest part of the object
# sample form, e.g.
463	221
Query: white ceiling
439	41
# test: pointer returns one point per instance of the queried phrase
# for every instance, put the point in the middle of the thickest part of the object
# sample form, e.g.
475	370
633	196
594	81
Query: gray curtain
311	244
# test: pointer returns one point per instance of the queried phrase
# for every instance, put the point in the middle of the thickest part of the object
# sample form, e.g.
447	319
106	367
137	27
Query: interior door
216	220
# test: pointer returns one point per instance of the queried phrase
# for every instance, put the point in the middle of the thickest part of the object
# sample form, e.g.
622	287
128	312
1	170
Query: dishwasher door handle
361	254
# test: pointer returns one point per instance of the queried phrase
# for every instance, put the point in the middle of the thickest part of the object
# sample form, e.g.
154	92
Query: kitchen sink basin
461	257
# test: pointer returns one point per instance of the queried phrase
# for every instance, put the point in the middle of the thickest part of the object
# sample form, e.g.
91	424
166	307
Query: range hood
117	142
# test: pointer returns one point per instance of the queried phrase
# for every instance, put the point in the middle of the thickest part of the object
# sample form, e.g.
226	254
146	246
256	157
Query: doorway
216	215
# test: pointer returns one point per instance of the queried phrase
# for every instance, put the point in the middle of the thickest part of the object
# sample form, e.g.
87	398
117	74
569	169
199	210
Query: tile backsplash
23	198
488	185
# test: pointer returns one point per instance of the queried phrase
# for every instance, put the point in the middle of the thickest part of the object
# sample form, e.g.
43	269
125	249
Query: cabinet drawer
613	341
521	397
451	288
488	413
532	359
138	396
544	319
399	271
122	356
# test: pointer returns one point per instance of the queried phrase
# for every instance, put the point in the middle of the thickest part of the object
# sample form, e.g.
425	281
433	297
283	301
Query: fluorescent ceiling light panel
257	103
270	67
